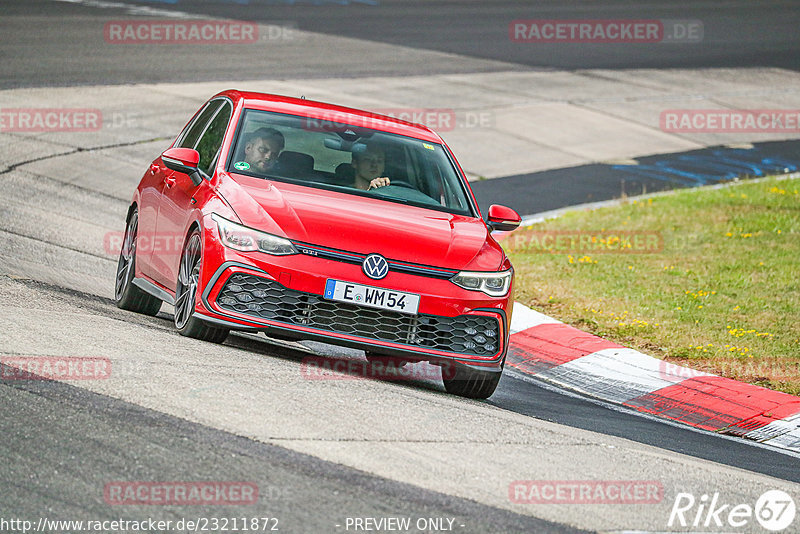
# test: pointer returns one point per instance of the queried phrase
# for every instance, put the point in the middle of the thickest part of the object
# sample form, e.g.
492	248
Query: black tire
186	292
468	382
126	295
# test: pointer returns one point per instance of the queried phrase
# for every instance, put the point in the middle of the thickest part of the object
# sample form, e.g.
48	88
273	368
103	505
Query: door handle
170	181
154	168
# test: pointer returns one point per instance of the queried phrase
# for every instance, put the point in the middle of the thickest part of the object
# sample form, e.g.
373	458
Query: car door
178	192
150	245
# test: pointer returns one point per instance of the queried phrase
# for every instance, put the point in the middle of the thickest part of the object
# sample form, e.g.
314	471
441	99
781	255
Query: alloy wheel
188	279
126	257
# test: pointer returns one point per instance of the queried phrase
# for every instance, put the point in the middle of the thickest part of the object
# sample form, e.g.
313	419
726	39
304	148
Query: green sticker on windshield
241	166
429	147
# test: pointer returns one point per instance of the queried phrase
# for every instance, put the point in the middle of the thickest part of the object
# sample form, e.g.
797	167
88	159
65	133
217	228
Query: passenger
262	148
368	164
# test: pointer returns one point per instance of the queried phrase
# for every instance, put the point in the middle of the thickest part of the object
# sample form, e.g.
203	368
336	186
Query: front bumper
247	292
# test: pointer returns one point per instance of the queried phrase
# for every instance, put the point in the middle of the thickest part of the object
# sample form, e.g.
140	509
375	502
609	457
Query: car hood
363	225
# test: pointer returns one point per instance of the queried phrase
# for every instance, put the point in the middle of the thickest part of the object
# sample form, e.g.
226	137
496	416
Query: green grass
719	291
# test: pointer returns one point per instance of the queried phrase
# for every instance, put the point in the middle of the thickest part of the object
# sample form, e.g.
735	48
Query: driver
262	147
368	164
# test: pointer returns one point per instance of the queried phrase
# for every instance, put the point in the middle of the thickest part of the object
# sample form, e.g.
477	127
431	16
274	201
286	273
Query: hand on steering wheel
379	182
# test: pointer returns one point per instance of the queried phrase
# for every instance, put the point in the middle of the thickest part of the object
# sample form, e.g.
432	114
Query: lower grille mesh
258	297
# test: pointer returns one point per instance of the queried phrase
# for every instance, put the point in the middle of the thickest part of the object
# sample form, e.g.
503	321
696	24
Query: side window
211	141
196	128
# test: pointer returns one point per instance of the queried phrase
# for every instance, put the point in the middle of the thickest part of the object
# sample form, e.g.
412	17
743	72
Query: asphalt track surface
735	33
61	473
597	182
48	43
51	466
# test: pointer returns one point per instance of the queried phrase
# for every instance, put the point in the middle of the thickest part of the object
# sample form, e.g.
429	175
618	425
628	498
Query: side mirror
183	160
502	218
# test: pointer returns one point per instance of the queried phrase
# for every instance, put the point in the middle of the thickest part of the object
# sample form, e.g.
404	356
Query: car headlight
246	239
493	284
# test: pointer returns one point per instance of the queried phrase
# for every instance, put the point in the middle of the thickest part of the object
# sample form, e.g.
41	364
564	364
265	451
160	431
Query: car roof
325	111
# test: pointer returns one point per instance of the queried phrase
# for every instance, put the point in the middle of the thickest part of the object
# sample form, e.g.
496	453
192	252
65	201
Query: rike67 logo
774	510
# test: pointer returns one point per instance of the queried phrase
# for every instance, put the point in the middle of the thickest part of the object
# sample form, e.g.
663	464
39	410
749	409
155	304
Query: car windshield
348	159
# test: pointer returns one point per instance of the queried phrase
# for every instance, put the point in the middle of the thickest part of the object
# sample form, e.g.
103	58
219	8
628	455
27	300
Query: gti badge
375	266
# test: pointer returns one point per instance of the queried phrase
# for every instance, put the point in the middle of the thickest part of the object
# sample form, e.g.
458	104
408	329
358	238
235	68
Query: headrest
296	161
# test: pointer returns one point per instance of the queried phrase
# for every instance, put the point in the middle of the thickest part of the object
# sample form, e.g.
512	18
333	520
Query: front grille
265	299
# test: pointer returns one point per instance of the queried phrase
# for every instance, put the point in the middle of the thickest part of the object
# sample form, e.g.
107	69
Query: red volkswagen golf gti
306	220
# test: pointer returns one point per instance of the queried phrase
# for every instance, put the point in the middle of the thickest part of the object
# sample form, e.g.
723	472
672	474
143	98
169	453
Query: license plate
374	297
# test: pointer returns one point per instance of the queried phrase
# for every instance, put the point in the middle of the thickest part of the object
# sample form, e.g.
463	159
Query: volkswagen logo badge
375	266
